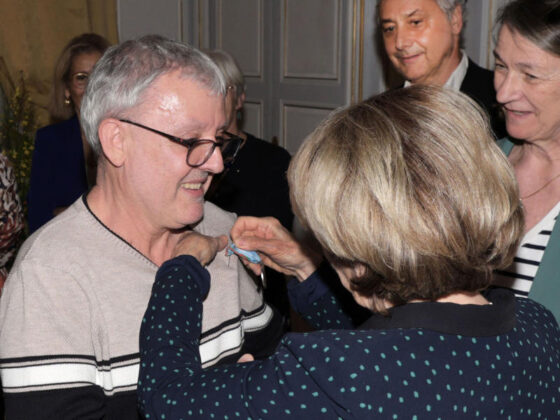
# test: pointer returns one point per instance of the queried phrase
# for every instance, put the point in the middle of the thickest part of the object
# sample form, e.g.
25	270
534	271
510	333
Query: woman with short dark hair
527	81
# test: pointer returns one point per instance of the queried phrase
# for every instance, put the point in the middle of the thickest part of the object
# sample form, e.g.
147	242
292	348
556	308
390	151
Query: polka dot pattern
340	374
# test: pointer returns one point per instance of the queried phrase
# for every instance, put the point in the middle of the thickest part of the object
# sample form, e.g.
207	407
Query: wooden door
299	58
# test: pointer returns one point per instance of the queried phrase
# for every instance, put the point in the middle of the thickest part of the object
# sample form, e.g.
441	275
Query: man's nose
403	39
215	164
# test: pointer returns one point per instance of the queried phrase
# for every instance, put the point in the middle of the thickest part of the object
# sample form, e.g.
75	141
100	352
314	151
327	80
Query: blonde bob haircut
411	184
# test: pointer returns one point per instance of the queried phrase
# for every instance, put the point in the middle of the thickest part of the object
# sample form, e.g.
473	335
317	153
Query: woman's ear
112	139
359	269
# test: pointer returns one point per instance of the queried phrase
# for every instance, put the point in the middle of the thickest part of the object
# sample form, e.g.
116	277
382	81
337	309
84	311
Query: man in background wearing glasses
72	307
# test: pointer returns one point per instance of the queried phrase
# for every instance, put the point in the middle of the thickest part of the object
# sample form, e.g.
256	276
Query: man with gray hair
73	304
422	39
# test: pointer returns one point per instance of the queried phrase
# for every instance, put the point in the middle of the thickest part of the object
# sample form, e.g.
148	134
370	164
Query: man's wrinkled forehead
169	98
174	94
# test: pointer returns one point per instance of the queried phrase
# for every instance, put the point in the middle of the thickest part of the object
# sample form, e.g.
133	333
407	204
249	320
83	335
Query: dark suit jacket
479	85
58	173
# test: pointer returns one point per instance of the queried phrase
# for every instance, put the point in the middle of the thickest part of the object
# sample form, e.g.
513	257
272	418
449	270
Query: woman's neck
528	153
464	298
537	169
459	298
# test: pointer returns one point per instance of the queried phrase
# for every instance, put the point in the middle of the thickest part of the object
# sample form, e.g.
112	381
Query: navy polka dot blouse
429	361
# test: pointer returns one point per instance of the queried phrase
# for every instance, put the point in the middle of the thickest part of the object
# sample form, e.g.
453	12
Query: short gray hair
448	6
230	69
125	71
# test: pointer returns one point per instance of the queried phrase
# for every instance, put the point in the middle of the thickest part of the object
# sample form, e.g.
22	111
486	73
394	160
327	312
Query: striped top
520	274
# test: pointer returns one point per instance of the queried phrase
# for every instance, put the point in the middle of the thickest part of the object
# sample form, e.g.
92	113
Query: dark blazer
58	173
479	85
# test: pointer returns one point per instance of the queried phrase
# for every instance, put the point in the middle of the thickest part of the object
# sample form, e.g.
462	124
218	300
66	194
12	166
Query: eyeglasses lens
80	79
229	150
199	153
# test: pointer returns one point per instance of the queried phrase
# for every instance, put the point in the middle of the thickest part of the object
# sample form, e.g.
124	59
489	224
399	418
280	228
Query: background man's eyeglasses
200	150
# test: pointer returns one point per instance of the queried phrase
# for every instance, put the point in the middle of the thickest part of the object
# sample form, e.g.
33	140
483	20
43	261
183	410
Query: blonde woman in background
63	166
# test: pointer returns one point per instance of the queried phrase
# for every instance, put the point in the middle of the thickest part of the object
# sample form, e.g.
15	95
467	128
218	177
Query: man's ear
457	20
240	101
112	139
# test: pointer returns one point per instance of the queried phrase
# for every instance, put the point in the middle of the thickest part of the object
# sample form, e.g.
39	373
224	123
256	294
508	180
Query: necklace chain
542	187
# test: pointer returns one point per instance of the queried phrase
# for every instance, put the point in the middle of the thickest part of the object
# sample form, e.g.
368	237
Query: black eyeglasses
200	150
